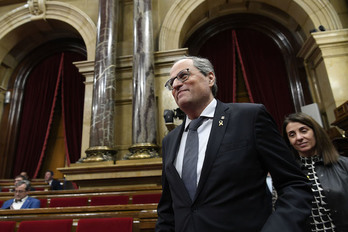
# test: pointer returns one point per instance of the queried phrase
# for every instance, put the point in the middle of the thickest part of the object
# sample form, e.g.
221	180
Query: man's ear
211	77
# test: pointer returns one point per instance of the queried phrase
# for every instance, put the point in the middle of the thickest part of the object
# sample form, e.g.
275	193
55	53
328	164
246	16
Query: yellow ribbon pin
221	122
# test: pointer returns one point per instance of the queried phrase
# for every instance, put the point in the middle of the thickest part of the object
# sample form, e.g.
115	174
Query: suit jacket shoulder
7	204
240	107
55	185
31	203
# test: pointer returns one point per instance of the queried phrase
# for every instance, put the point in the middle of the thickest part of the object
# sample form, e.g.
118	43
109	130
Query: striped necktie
189	169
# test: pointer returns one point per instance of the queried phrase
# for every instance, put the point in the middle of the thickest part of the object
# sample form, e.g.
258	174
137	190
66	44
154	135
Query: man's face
17	179
48	176
24	174
196	90
20	192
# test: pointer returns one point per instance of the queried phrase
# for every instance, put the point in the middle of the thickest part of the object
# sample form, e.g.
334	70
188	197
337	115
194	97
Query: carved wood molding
37	7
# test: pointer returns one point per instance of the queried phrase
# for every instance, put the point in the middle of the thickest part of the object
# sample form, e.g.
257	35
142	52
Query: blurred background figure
55	184
21	198
25	174
20	178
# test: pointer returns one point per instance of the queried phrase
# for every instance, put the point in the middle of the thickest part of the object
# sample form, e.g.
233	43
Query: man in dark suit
55	184
21	199
238	145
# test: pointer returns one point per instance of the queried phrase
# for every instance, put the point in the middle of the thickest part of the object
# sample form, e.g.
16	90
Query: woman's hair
323	145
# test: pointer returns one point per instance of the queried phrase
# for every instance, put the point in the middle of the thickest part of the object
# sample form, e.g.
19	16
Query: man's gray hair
26	182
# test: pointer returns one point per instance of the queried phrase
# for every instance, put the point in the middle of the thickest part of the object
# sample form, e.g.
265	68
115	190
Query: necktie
189	169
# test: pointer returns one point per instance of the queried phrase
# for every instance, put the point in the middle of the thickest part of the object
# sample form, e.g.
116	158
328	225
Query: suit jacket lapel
173	151
25	204
217	133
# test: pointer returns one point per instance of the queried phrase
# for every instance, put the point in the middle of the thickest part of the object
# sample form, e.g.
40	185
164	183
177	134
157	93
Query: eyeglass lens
182	76
19	191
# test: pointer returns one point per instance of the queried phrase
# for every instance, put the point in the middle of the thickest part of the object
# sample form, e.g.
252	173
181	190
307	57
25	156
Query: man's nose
177	84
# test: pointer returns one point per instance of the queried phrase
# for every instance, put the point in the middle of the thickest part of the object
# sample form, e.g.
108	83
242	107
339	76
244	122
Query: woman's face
302	138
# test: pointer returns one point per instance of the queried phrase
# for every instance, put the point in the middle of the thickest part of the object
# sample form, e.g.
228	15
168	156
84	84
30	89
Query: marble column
102	131
144	101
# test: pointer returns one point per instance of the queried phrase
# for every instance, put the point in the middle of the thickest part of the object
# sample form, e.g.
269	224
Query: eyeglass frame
169	83
20	191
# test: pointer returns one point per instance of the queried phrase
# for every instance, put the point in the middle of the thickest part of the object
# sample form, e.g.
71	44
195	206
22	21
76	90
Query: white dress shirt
18	204
203	136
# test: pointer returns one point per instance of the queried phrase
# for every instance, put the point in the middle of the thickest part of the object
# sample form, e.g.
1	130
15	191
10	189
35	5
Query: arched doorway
299	17
266	54
21	33
30	123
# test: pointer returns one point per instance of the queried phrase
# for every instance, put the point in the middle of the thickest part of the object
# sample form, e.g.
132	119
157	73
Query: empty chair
146	198
105	224
5	189
43	202
64	225
69	201
109	200
7	226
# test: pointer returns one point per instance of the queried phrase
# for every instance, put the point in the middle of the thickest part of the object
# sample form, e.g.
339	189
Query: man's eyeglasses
182	76
20	191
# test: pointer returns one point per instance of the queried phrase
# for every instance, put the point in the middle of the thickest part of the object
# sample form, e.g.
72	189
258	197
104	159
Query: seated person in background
19	178
55	184
21	199
68	185
25	174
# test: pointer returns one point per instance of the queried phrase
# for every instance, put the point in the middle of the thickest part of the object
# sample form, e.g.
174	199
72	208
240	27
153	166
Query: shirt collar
312	160
208	112
22	200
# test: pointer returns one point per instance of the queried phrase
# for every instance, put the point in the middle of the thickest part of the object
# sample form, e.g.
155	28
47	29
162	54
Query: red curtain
36	110
242	67
219	50
265	68
41	90
48	128
73	95
259	62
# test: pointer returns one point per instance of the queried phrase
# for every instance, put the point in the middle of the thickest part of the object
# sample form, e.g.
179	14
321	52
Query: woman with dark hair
325	168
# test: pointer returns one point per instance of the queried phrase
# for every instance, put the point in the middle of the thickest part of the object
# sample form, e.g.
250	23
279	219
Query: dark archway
213	38
10	123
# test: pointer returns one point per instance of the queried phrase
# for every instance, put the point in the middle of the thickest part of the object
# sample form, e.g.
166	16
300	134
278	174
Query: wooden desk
144	215
46	187
4	183
122	190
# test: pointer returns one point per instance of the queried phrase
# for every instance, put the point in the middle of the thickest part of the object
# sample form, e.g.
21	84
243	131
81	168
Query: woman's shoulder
343	162
343	159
